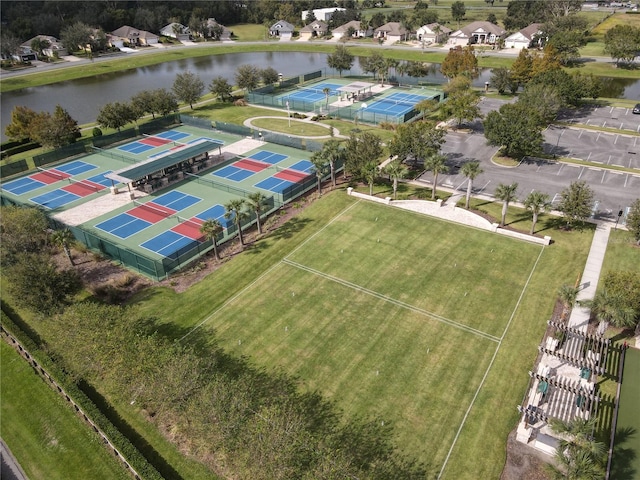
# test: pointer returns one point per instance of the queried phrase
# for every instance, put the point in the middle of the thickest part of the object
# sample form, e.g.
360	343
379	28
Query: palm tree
319	167
567	295
611	308
536	202
210	229
396	170
63	239
235	209
333	152
579	455
257	202
470	170
506	193
370	172
326	91
436	163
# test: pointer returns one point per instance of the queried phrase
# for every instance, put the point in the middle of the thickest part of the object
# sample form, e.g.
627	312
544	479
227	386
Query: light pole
288	114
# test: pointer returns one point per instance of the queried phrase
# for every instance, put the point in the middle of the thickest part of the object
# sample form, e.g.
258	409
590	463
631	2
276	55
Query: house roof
315	26
129	32
282	25
392	28
431	27
531	30
355	24
53	41
183	29
473	27
211	22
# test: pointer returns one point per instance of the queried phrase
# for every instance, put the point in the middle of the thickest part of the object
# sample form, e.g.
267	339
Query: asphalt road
613	190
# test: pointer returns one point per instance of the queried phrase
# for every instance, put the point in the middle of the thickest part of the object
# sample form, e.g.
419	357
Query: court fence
13	168
196	121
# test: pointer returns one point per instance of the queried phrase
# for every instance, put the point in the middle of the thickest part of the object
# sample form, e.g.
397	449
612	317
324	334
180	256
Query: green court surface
384	328
625	464
48	440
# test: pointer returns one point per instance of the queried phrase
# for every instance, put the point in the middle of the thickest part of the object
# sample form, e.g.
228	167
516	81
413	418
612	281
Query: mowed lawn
46	437
384	328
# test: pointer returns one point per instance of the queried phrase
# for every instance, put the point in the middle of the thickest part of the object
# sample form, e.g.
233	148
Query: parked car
636	109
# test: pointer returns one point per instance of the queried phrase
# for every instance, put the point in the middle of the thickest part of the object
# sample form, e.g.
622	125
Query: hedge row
19	149
12	143
129	452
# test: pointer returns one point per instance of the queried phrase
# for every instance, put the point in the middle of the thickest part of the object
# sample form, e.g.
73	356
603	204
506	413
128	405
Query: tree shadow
290	228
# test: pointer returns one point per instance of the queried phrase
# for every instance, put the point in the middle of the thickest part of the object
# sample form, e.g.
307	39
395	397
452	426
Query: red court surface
291	175
251	165
83	188
151	212
50	176
154	141
178	147
190	228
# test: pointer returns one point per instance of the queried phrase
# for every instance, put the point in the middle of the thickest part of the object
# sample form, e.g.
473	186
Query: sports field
390	314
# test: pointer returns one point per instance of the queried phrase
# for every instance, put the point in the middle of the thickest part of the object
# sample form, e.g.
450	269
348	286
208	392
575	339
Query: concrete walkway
589	281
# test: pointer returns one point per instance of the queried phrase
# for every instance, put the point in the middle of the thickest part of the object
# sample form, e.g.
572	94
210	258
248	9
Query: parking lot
608	117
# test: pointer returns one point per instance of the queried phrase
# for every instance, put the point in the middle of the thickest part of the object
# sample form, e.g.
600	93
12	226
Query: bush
96	132
241	102
19	149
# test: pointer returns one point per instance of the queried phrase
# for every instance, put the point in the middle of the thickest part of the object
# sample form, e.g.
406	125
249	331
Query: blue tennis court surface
172	135
101	179
123	225
55	199
274	184
136	147
395	104
233	173
176	200
75	168
313	93
22	185
302	166
170	244
268	157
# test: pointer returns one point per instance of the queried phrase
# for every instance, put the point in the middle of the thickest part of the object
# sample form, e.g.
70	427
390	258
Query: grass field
626	453
46	437
385	329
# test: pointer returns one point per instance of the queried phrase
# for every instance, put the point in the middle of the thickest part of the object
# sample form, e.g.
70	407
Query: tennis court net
160	212
220	186
405	103
85	185
317	90
52	174
113	155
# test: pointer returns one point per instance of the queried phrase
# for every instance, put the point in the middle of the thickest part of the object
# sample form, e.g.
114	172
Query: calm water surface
84	98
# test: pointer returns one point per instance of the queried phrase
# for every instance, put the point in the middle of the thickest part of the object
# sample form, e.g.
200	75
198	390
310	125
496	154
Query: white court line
486	373
241	292
398	303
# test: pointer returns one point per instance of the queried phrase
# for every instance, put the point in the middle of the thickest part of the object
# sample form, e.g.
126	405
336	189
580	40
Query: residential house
391	32
323	14
226	34
53	49
131	36
528	37
317	28
23	54
177	31
355	25
432	33
476	33
282	29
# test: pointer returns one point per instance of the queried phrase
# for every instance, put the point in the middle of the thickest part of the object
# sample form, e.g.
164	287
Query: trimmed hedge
130	453
19	149
12	143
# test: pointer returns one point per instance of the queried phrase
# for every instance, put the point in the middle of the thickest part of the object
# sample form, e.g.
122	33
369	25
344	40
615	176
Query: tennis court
395	104
153	141
312	94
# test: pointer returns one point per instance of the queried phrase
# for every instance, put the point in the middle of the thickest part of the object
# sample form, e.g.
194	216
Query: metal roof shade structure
153	165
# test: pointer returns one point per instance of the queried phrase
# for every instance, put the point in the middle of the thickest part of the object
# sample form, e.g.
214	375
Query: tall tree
522	68
416	141
269	75
370	171
247	77
76	37
622	42
514	129
470	170
576	202
320	164
578	454
360	149
211	228
142	103
257	201
64	239
460	61
610	307
567	295
502	80
164	102
633	220
340	60
221	88
19	128
542	100
458	11
236	210
23	230
437	164
334	153
188	88
462	103
115	115
396	171
506	194
536	202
